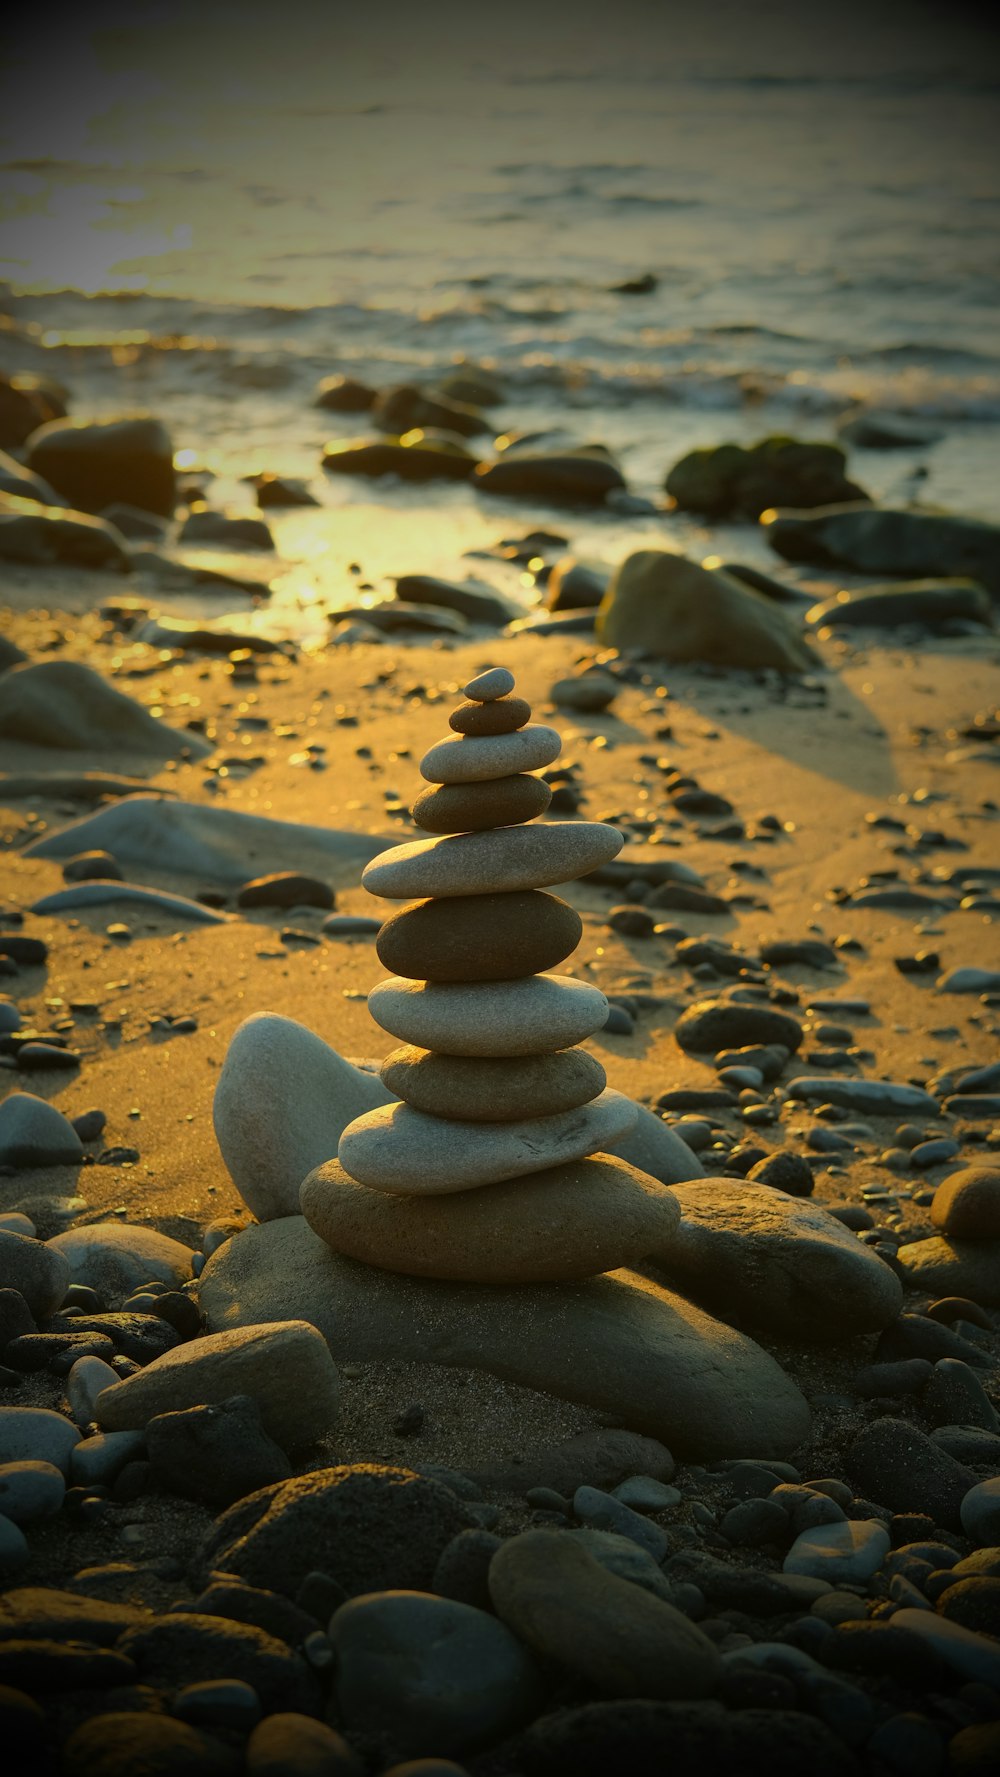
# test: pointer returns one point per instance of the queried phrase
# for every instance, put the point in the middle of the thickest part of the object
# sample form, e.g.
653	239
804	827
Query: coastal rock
466	808
15	479
970	980
653	1147
587	692
64	703
41	536
38	1273
498	715
477	604
872	428
967	1205
415	457
398	410
927	603
492	862
871	540
570	1609
572	478
662	604
396	1148
946	1267
492	1091
732	480
180	910
525	1017
461	760
776	1262
218	845
27	402
108	1745
282	1101
480	937
428	1674
344	394
214	1453
35	1133
30	1491
897	1465
565	1222
575	585
285	888
114	1258
711	1025
618	1343
34	1434
205	527
598	1458
285	1367
845	1554
181	1647
92	463
875	1098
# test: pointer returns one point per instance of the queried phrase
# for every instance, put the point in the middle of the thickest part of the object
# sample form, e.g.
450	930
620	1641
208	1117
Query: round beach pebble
495	862
504	715
967	1205
396	1148
30	1491
470	808
499	1091
498	1018
480	937
461	760
40	1274
565	1222
495	682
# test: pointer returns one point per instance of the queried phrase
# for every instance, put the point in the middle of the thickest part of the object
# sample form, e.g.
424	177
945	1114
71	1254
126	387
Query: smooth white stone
528	1017
493	861
467	759
399	1149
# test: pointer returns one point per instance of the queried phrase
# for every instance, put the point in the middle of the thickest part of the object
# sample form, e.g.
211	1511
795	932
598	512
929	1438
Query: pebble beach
499	980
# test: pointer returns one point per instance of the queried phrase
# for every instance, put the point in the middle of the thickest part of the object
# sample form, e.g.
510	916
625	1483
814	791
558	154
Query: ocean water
205	209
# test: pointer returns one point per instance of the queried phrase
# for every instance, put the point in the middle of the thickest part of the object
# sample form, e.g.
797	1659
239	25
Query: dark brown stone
503	1091
471	808
501	716
286	888
479	937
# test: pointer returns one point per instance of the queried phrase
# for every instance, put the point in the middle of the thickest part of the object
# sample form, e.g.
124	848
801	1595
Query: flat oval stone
466	761
480	937
528	1017
495	682
967	1205
397	1148
491	863
565	1222
468	808
504	715
475	1091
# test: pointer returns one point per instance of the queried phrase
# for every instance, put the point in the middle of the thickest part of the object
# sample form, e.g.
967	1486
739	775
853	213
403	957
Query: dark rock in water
15	479
646	1738
94	463
711	1025
63	703
282	490
565	477
913	545
237	530
416	457
749	576
344	394
574	586
202	638
26	402
644	285
476	603
215	1453
39	536
662	604
895	1464
472	386
559	623
929	603
871	429
390	616
134	523
400	409
286	888
369	1527
730	480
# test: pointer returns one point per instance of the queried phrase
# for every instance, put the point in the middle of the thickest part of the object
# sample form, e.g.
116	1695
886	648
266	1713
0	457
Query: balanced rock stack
490	1169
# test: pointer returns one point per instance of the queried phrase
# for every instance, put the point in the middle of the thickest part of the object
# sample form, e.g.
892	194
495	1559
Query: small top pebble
497	682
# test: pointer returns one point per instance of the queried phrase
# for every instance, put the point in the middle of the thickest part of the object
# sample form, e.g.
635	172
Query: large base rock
617	1343
665	605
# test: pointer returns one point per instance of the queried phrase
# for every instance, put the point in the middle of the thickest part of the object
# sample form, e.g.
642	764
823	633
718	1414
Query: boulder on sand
581	476
867	540
731	480
929	603
64	703
617	1343
93	463
417	456
39	536
662	604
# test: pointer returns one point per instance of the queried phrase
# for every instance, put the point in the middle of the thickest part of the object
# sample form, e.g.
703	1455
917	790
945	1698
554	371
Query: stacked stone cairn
490	1169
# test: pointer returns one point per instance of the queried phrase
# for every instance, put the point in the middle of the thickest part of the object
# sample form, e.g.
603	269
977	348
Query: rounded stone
967	1205
475	1091
465	808
398	1149
480	937
846	1553
711	1025
499	1018
30	1491
462	760
503	715
495	682
39	1274
492	863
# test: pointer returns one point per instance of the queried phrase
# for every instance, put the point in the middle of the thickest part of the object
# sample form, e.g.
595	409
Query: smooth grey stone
66	704
493	861
494	1018
35	1133
463	759
34	1268
98	1460
495	682
623	1556
30	1491
973	1658
969	980
86	1380
847	1553
34	1434
96	893
114	1258
942	1267
602	1511
871	1097
617	1343
981	1513
14	1551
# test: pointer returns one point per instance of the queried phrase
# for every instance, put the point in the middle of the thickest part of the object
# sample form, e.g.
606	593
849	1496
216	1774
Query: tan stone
562	1223
469	808
503	715
527	1017
660	603
492	863
480	937
967	1205
461	760
476	1091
